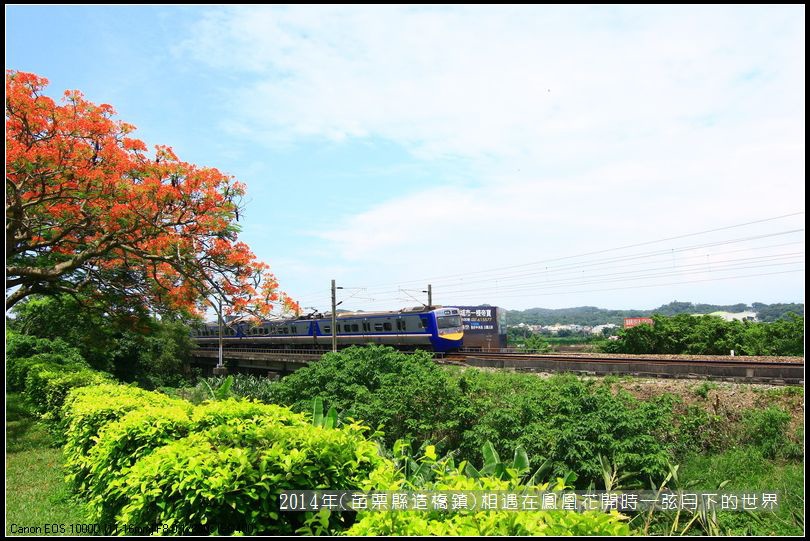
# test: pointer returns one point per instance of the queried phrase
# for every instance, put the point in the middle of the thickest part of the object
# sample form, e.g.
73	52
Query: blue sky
505	155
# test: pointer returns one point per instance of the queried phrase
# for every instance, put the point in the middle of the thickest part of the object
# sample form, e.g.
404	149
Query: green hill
591	315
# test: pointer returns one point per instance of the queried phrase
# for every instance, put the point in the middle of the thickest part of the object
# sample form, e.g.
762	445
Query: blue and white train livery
436	329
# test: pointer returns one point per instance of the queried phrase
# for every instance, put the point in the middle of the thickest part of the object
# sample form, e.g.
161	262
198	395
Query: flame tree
91	213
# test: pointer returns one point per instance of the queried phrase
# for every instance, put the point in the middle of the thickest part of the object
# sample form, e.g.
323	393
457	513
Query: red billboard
633	321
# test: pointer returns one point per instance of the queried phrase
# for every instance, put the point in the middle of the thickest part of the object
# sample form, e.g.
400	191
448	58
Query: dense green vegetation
128	450
707	335
591	315
133	347
563	419
145	462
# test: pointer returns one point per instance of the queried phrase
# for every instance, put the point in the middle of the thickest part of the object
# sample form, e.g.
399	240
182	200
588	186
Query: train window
400	325
387	326
423	323
347	328
446	322
366	326
327	329
355	327
378	327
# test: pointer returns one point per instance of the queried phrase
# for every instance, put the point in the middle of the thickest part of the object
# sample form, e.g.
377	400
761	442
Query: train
437	329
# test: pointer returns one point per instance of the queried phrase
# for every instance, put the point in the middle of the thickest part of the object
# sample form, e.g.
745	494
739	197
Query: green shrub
490	523
86	410
710	335
227	478
702	431
484	523
22	346
47	385
561	418
703	389
567	421
767	430
23	352
121	444
408	394
139	432
219	412
17	369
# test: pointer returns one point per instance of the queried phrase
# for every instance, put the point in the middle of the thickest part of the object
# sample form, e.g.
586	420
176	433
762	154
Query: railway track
652	359
772	370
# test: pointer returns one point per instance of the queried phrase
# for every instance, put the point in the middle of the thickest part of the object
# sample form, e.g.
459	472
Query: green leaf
317	411
331	418
471	471
521	460
491	457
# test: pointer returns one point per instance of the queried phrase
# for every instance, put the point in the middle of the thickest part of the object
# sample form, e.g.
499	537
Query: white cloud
504	82
586	125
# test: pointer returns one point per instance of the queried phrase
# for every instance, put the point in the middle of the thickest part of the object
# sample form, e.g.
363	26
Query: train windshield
445	322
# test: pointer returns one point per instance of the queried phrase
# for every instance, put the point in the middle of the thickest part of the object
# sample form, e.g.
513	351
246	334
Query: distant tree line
591	315
708	335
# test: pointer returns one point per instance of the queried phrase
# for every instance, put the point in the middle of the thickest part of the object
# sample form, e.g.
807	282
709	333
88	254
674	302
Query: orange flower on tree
89	212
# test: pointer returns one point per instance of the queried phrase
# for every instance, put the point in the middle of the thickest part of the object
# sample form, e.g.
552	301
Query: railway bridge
769	370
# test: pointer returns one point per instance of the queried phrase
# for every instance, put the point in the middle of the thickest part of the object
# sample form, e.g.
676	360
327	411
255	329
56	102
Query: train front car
447	330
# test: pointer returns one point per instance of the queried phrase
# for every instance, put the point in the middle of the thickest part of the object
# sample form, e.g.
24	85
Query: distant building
739	316
598	329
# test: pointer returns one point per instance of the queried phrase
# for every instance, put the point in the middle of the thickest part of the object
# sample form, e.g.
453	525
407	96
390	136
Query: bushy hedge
24	352
47	385
17	369
227	478
211	414
121	444
485	523
87	410
45	371
22	346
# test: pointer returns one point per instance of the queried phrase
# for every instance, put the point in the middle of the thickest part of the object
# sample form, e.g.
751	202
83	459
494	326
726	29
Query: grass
36	493
747	471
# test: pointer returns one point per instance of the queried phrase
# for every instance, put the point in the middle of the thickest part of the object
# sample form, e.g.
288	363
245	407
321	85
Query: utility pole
334	318
220	369
430	296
